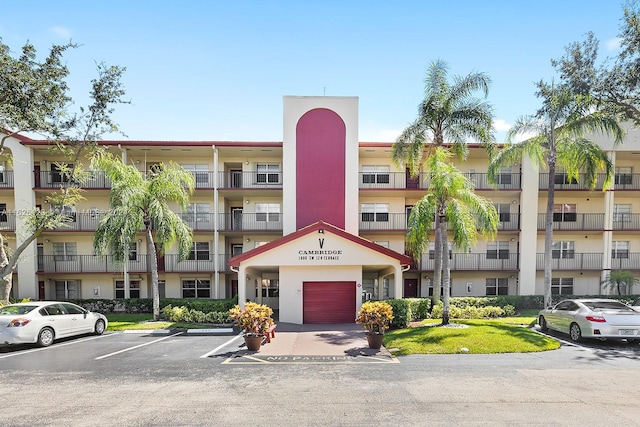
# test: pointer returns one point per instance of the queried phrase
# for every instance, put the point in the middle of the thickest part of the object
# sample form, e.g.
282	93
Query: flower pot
253	342
375	340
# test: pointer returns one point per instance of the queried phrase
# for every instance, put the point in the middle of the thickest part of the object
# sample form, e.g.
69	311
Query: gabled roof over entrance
320	227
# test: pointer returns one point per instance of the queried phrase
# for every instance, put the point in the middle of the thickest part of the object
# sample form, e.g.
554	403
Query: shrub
375	316
253	318
401	312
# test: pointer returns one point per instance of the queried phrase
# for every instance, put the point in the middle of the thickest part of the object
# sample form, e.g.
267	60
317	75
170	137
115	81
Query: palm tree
452	200
138	203
559	128
621	280
449	114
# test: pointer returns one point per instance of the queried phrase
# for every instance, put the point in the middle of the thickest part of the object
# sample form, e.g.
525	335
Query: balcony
562	182
6	179
398	222
55	180
249	180
572	261
473	262
7	221
631	262
105	264
573	221
626	221
400	181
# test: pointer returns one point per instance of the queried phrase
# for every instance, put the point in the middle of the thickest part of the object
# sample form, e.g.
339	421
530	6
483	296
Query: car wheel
99	328
46	337
575	333
543	324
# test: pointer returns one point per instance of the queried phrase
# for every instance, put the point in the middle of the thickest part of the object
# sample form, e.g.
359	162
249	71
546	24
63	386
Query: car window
565	305
17	309
53	310
73	309
607	305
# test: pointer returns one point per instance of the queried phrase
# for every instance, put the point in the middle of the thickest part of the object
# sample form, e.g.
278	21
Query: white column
528	228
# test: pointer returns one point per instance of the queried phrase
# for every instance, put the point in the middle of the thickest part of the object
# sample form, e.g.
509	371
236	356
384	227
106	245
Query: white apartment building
318	220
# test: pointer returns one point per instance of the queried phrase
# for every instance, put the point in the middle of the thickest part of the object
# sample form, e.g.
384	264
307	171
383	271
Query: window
133	251
269	212
375	174
497	286
504	177
563	178
563	250
375	212
498	250
65	251
504	212
67	289
432	252
199	251
620	249
383	243
61	172
198	212
200	172
564	212
196	288
134	289
562	286
2	169
268	174
624	175
3	212
270	288
621	213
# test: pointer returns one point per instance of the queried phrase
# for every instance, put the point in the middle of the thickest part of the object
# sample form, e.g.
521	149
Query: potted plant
375	317
255	320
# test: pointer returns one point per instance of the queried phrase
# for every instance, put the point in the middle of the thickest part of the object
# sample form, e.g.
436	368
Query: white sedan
42	322
592	318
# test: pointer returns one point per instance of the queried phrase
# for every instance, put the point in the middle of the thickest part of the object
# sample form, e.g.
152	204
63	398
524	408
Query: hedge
145	305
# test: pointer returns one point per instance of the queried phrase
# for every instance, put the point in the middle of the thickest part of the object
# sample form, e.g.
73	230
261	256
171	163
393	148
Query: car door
57	318
81	323
555	315
566	313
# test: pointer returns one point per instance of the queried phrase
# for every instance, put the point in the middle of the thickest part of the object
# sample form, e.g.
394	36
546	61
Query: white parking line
136	346
215	350
56	345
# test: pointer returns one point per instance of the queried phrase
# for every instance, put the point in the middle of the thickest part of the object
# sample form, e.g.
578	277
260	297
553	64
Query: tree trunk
548	230
5	288
437	262
154	274
446	273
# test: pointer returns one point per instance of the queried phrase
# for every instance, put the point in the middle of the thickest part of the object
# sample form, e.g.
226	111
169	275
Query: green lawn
481	336
123	322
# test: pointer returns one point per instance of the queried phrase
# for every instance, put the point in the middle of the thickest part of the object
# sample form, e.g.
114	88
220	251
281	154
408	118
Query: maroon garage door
329	302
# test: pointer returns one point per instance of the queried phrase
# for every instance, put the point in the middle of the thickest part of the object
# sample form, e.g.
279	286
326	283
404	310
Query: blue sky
213	70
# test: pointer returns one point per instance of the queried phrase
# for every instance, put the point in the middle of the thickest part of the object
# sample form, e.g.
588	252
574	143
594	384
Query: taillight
597	319
21	321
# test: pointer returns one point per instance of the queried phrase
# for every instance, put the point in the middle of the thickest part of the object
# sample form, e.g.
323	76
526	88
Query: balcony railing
249	179
572	261
630	262
398	221
562	182
241	221
54	179
574	221
6	179
474	261
627	181
106	264
626	221
7	221
399	181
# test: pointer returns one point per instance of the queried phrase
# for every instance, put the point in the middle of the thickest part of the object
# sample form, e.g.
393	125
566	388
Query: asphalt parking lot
180	379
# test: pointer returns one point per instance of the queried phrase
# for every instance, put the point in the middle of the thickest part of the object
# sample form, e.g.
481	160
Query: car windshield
606	305
17	309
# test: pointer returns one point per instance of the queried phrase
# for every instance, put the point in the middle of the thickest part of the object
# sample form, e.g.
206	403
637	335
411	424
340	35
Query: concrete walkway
319	340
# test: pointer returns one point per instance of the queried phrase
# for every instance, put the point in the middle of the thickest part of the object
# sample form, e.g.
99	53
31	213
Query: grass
144	321
481	336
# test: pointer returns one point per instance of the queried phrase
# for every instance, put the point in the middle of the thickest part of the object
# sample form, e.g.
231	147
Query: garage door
329	302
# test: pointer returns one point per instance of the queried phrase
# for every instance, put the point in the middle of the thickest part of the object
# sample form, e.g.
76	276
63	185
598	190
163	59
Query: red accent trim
320	168
328	228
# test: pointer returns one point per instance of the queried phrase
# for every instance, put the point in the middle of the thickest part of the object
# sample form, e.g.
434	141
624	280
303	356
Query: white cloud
613	44
501	125
61	32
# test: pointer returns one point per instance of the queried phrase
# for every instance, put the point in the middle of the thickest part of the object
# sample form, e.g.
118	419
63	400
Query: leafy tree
450	199
621	280
449	114
34	99
138	202
613	82
559	127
